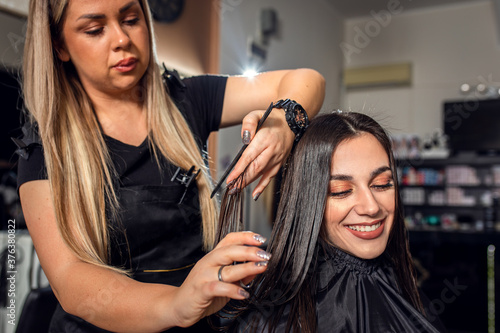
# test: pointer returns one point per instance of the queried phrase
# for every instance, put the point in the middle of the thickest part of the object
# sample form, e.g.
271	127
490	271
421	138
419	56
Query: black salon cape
163	232
353	295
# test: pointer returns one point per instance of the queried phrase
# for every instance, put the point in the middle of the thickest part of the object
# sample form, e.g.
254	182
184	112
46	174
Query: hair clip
185	179
172	77
23	150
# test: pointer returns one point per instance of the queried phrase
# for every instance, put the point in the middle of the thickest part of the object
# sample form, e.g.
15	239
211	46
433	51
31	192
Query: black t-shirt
201	104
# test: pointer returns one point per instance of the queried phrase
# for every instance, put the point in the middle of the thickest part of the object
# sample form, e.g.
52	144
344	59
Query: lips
126	65
367	230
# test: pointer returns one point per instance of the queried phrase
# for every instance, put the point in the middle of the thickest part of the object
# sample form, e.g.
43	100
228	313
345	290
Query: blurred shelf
438	236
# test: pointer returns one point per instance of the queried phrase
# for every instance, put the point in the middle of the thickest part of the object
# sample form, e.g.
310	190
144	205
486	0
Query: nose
121	39
367	203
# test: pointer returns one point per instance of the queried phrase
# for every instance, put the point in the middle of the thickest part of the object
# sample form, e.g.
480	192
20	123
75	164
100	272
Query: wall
309	35
191	43
12	31
446	45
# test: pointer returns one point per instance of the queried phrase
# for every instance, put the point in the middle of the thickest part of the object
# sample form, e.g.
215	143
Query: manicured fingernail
246	137
231	183
243	293
256	196
259	238
261	263
264	255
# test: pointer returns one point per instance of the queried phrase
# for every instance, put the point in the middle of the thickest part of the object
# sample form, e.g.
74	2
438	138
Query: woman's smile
367	230
359	211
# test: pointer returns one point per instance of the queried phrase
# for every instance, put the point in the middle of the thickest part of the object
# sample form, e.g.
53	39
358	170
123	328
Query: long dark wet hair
290	279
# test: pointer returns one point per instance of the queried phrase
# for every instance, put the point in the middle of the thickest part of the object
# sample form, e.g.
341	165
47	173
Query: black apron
163	250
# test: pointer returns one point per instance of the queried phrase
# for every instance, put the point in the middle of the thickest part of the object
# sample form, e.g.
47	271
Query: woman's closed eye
385	186
340	192
94	31
98	30
131	21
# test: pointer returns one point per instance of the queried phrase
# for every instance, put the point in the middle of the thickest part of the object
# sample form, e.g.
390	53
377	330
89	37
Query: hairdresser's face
108	43
360	206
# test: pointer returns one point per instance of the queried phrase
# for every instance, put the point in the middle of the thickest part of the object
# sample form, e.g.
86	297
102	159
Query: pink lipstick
367	230
126	65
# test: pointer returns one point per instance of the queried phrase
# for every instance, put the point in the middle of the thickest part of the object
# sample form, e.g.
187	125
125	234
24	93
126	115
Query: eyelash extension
340	194
385	186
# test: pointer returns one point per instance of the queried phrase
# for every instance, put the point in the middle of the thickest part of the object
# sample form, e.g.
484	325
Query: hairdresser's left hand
267	151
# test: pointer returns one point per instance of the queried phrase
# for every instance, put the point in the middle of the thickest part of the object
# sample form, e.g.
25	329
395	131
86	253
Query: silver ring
246	286
219	274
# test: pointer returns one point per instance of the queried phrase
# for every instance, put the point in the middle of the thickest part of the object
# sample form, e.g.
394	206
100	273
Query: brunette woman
340	255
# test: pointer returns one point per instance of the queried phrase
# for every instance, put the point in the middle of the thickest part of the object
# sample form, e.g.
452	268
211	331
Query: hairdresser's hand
202	293
267	151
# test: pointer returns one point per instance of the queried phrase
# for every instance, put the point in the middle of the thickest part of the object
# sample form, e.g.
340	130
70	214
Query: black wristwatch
295	115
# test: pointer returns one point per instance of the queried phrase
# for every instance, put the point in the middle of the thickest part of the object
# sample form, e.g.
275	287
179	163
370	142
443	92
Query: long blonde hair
79	168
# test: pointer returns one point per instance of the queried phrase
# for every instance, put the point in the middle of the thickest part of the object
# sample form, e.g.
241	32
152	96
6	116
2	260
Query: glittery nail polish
259	238
264	255
246	137
243	293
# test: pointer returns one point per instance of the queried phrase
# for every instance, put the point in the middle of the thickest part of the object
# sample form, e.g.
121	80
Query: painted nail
264	255
259	238
246	137
255	197
243	293
261	263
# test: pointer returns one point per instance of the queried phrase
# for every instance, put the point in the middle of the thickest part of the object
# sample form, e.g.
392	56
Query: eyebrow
373	174
101	16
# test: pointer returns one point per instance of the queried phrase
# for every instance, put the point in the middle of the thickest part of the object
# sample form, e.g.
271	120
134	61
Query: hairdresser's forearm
115	302
243	95
306	86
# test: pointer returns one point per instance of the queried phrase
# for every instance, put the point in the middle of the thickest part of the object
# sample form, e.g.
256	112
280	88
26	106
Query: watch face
166	10
301	117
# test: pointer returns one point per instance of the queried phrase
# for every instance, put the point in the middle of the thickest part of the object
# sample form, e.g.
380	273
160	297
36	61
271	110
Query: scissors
238	156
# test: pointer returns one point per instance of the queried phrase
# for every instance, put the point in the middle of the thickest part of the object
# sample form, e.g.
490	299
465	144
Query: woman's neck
122	119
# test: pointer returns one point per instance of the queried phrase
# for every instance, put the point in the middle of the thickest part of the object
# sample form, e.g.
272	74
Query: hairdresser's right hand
203	294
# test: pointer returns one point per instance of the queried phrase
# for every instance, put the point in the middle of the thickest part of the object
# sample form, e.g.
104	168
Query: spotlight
250	72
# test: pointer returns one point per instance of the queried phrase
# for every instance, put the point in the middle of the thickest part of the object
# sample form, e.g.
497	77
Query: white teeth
365	228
